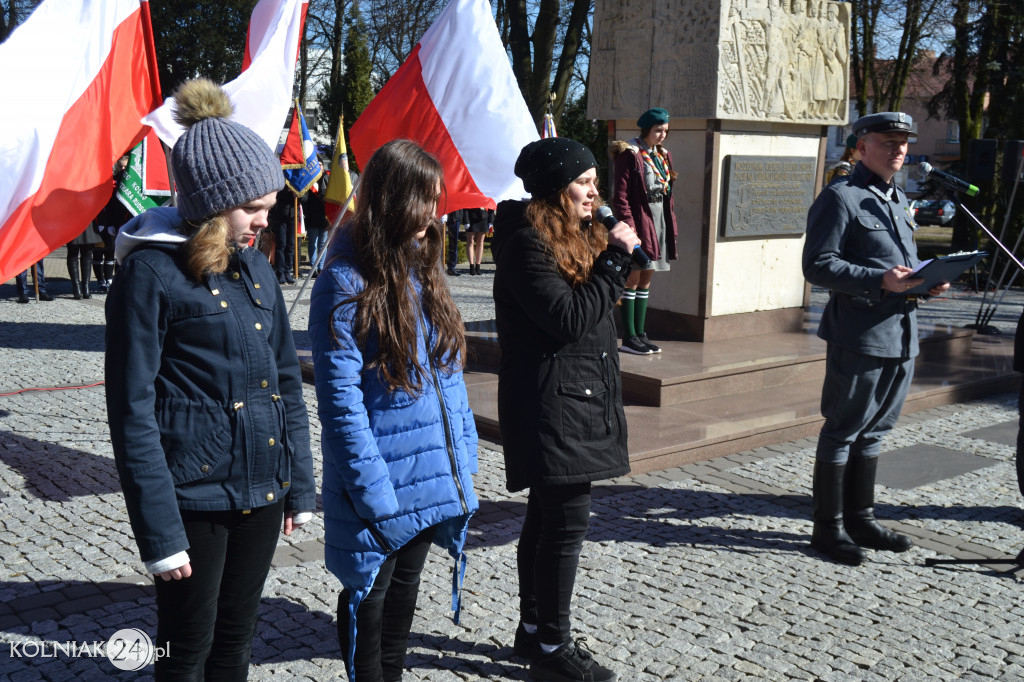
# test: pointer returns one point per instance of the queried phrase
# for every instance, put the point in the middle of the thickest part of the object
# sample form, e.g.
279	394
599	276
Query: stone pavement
699	572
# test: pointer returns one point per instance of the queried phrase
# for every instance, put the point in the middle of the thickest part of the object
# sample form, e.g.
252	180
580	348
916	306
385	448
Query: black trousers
452	255
284	258
557	520
384	618
207	621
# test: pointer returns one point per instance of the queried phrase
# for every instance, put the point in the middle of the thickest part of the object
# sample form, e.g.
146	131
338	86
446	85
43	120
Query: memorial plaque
767	195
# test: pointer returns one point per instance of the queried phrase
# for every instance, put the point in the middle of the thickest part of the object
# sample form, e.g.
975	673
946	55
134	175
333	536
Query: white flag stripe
68	41
263	92
469	78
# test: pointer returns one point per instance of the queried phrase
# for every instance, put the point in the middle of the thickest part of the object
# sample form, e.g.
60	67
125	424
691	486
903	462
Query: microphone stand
985	314
1018	561
981	322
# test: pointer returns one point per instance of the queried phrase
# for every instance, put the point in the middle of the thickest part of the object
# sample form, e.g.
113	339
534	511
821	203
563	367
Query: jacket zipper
448	438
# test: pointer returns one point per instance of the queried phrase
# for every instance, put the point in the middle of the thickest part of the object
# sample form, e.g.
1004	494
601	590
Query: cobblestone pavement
698	572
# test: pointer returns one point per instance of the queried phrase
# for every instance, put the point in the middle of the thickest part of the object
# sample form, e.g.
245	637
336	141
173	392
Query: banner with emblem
298	154
139	190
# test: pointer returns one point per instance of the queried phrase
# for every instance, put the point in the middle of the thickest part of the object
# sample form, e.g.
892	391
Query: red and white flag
62	135
457	97
262	94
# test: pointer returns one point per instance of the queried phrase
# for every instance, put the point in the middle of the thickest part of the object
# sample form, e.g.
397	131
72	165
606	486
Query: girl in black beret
558	277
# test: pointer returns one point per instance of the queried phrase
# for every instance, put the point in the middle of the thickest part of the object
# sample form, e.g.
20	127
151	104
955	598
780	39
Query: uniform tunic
857	229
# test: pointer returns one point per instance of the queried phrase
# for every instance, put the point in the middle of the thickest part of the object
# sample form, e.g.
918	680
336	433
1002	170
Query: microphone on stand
951	181
608	219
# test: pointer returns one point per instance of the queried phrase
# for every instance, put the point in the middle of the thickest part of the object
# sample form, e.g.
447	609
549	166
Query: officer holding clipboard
860	246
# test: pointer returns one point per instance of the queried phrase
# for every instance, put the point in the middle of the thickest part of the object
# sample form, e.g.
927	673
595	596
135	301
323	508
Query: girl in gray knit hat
204	395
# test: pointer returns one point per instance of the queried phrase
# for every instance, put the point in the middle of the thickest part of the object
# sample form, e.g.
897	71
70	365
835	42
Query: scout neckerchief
656	162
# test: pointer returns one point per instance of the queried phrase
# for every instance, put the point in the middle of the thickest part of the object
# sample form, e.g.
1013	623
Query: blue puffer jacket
394	464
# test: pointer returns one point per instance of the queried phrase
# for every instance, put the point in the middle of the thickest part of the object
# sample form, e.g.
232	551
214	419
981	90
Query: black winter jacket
559	385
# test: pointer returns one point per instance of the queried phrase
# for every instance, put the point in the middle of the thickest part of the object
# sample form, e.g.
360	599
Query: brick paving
697	572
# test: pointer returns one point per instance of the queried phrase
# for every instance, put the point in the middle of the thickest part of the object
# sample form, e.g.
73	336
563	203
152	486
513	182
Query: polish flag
262	94
78	75
457	97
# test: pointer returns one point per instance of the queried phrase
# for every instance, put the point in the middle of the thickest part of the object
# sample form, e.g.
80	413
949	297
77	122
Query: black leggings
384	618
557	520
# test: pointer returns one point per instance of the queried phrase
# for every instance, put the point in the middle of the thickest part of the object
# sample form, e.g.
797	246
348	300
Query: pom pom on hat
218	164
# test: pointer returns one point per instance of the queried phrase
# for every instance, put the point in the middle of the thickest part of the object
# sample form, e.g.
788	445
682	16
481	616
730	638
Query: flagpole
323	252
295	229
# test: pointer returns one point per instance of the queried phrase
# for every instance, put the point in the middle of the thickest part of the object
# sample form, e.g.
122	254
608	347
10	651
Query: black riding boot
829	536
76	276
859	512
108	272
86	267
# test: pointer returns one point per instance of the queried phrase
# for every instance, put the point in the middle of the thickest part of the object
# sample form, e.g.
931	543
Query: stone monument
752	86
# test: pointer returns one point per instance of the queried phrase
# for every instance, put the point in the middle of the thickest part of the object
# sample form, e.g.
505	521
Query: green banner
131	192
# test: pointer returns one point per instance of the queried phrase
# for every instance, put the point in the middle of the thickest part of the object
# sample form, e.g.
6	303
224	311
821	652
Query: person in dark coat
560	410
204	396
108	222
451	227
642	197
315	217
282	224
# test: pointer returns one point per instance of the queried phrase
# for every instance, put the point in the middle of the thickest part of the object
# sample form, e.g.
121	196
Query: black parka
559	384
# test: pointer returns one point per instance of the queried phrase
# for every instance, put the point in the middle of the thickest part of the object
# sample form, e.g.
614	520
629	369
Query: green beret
652	117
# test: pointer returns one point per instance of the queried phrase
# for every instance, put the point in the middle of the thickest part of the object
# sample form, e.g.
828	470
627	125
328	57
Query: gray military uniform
857	229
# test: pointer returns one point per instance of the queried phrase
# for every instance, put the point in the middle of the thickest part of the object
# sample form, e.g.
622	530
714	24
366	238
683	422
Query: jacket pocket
196	438
584	408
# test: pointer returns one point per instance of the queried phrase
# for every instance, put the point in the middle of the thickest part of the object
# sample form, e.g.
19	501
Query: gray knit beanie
218	164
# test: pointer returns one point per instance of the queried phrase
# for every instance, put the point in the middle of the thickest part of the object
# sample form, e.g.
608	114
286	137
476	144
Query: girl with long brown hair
399	442
559	274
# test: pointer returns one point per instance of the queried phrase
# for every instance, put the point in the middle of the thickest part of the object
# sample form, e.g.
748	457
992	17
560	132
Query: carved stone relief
763	60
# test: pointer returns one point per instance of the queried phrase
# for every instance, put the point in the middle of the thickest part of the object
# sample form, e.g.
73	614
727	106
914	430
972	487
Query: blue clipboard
944	269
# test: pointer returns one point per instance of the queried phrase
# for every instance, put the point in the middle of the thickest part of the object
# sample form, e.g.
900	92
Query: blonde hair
206	252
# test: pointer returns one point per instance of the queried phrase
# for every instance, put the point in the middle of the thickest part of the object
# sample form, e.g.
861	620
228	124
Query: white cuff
299	518
167	564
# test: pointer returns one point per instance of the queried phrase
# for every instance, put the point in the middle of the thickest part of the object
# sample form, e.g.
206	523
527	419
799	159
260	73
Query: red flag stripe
99	127
409	112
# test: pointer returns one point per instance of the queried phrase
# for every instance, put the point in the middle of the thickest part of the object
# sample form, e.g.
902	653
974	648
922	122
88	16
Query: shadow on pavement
56	473
54	336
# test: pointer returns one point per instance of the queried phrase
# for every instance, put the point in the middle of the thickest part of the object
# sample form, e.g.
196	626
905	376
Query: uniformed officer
860	245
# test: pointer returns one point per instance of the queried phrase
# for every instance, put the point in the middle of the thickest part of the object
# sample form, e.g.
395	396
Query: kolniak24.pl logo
127	649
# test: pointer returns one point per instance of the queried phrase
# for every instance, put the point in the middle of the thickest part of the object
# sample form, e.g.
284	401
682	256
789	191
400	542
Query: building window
952	131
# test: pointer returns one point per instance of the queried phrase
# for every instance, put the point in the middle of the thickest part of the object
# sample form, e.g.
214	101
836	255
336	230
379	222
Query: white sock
548	648
531	628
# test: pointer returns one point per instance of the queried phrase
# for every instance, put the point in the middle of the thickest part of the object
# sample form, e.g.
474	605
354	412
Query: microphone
947	180
608	219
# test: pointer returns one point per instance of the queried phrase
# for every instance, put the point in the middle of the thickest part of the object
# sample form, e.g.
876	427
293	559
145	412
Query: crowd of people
210	429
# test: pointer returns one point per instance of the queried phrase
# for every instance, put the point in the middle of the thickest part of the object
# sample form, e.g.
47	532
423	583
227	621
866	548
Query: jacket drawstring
458	576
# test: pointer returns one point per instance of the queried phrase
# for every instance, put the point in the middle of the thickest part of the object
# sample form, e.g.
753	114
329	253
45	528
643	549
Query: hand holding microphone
622	237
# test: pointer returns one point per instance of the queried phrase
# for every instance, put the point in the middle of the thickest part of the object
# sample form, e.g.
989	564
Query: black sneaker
634	345
22	298
525	643
644	340
568	663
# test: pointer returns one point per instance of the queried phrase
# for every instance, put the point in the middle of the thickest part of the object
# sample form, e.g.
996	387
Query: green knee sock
628	307
641	310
